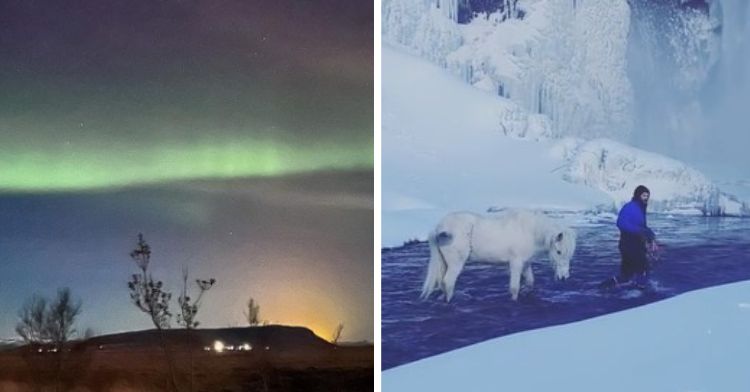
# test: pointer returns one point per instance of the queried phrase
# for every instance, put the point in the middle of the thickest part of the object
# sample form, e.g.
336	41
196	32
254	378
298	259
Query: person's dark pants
634	264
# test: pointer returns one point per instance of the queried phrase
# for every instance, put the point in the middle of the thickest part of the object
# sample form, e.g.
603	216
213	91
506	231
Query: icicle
449	8
539	100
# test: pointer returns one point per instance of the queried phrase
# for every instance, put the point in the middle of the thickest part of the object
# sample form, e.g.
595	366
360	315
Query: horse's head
562	247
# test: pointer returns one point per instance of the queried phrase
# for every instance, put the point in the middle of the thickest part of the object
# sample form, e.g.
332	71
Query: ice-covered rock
617	169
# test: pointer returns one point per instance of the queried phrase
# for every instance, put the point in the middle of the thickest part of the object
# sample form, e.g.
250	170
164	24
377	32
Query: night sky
236	135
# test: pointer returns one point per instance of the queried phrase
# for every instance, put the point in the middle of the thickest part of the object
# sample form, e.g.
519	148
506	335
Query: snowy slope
695	342
446	147
438	159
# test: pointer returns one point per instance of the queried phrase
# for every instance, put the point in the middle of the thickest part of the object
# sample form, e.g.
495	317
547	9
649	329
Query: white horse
512	236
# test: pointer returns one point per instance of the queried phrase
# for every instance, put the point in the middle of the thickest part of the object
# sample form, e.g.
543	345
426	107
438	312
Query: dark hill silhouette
296	360
276	337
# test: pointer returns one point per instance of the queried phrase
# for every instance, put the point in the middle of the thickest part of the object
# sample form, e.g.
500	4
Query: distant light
218	346
207	348
268	348
247	347
230	348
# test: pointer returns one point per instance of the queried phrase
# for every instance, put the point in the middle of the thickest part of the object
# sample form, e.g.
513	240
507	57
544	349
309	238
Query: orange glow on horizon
287	296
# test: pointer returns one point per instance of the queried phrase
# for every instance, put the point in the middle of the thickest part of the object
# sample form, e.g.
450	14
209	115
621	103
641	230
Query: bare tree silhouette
60	318
150	297
337	333
252	313
31	325
42	323
188	311
146	293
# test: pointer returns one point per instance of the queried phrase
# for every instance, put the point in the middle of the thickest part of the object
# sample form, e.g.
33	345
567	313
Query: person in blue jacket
635	238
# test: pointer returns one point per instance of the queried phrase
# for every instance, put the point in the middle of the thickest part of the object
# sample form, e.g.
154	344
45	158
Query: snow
448	146
426	26
437	158
535	113
617	169
564	60
698	341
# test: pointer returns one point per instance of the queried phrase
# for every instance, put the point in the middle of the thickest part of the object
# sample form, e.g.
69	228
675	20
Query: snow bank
695	342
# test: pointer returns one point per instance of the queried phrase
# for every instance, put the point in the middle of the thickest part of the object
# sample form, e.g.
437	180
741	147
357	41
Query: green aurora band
75	167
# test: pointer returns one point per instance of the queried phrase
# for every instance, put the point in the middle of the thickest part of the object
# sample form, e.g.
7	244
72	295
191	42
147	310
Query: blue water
696	253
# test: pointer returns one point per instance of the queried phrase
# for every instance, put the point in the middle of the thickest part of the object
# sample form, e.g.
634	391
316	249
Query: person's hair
639	191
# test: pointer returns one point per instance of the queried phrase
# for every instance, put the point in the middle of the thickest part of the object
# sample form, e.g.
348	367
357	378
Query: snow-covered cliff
561	71
564	60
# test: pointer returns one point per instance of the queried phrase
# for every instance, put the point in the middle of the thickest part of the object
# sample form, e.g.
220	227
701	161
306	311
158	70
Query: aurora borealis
71	168
236	135
95	94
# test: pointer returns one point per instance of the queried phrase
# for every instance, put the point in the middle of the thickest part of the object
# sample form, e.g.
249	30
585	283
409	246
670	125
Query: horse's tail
437	265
